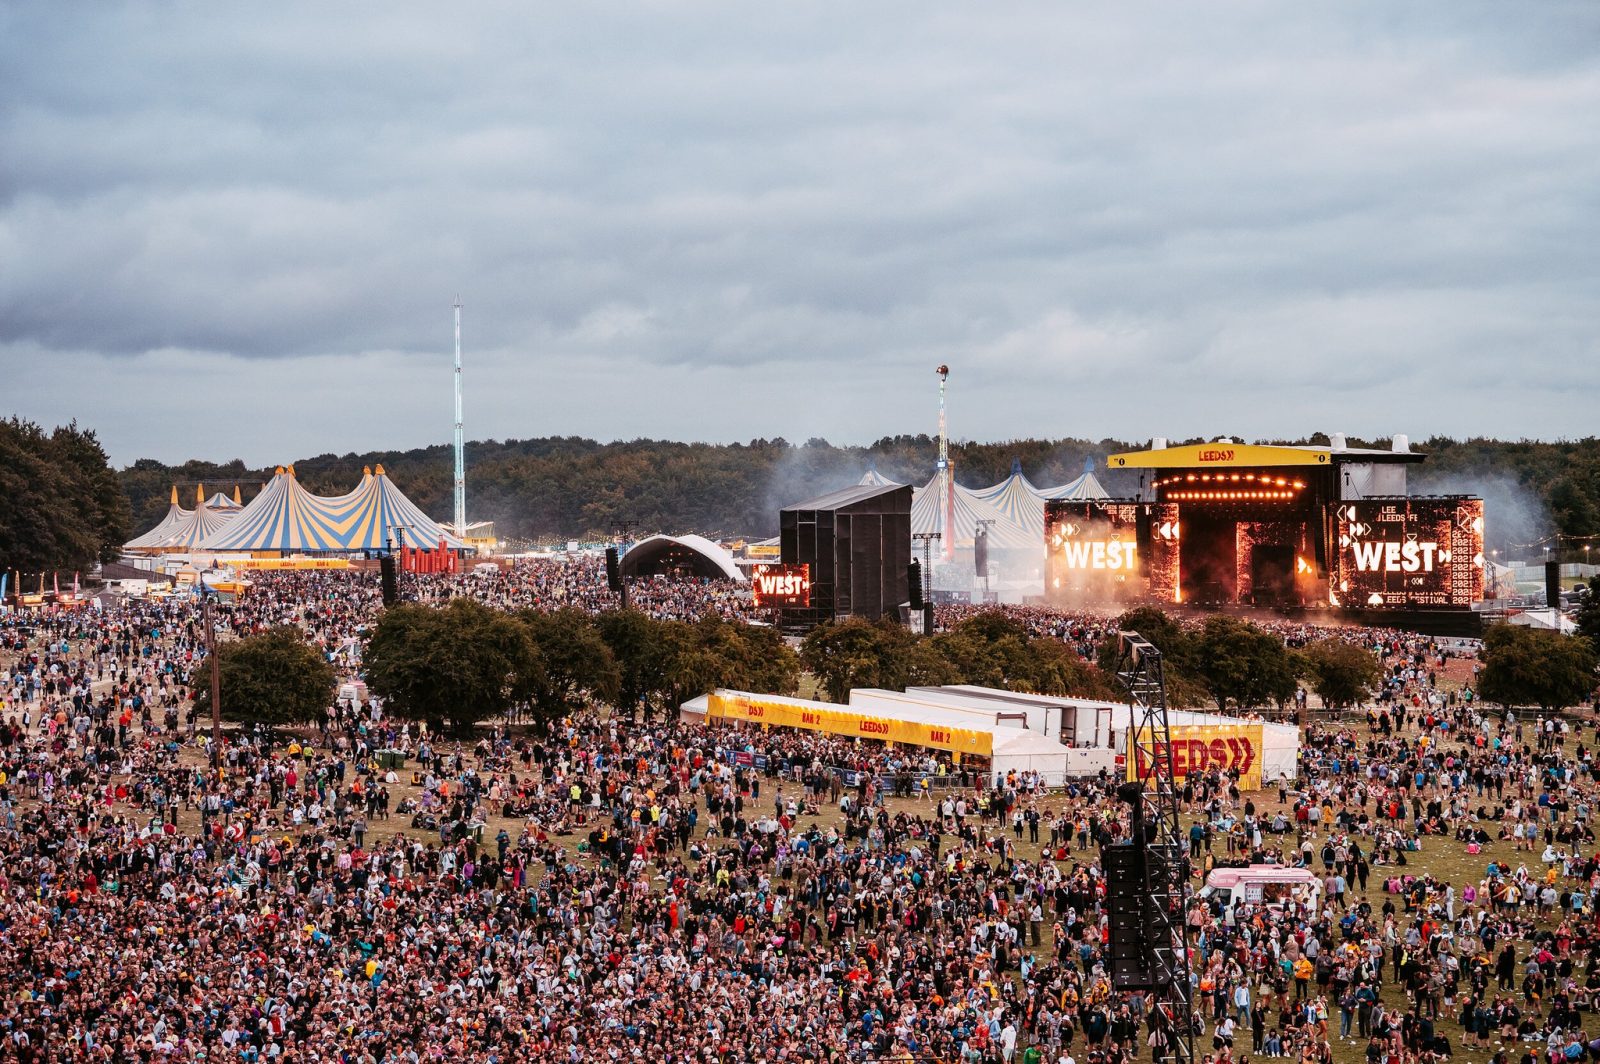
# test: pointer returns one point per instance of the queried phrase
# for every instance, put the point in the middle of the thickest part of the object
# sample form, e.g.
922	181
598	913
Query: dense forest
557	488
61	506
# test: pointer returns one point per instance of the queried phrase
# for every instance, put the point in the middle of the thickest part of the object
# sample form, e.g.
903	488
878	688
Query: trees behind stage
565	487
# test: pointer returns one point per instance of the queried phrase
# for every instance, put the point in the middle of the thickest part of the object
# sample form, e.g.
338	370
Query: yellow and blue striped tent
152	539
286	517
202	523
223	501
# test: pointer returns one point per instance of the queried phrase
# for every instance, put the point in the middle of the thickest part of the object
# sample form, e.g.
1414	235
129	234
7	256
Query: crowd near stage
1229	526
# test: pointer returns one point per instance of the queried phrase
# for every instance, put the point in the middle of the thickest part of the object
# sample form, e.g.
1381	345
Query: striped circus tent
874	479
1004	534
223	501
377	509
286	517
202	523
1018	501
1086	486
152	539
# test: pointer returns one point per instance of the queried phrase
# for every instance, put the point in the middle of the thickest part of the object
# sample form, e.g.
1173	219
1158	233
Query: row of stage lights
1230	496
1231	478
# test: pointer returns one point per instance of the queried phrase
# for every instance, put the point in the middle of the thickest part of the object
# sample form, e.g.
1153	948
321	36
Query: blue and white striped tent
154	538
285	517
1018	501
202	523
1086	486
927	515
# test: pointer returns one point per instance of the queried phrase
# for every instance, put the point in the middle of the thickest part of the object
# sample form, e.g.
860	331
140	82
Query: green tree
1242	664
688	667
637	644
995	650
104	504
578	667
273	678
757	658
1178	657
1341	673
59	506
1536	667
459	664
856	653
1588	616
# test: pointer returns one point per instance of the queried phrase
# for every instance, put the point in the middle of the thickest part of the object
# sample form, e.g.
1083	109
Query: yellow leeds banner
1198	748
1211	455
842	721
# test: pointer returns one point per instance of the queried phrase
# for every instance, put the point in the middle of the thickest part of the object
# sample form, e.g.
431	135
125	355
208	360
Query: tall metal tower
1161	846
947	488
461	445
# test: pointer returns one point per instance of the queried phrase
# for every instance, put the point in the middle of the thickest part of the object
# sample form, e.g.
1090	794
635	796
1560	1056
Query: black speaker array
613	570
914	584
391	586
1129	952
1552	584
980	553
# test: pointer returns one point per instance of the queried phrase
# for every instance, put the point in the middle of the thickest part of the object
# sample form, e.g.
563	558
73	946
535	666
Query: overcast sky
237	231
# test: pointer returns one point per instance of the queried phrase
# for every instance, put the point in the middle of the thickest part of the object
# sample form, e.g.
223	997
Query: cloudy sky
238	231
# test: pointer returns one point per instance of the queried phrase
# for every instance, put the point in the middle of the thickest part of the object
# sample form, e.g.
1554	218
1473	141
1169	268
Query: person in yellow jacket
1302	977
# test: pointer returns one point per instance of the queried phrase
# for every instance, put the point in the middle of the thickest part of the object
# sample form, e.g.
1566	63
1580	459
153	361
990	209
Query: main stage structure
1225	524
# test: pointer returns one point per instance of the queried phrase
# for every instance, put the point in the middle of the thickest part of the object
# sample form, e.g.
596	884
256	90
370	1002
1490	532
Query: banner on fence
1198	748
841	720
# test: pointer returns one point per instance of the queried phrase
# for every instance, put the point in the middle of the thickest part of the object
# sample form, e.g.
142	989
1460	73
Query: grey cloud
1282	218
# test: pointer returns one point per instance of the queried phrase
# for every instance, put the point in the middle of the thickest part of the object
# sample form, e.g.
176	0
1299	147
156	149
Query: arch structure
694	555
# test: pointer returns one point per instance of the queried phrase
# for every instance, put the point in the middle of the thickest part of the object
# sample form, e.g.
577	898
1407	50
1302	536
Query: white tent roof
1086	486
712	552
1014	741
1547	619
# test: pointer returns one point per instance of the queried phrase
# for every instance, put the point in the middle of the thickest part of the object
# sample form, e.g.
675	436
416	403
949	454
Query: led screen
1409	553
1092	551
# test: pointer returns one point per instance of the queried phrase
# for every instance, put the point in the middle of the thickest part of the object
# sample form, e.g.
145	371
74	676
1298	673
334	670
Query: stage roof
845	497
1228	454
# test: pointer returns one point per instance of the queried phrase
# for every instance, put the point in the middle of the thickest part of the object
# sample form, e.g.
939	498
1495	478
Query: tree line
464	663
567	487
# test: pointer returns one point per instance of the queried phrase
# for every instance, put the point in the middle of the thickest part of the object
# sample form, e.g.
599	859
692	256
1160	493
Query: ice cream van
1273	886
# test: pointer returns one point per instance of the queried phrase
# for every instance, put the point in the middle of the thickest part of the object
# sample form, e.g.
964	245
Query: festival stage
1292	530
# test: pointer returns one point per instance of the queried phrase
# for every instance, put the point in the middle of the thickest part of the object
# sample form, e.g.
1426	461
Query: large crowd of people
615	889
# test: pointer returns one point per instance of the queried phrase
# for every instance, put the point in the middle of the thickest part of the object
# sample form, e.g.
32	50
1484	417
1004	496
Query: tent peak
199	493
378	470
1016	466
174	494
